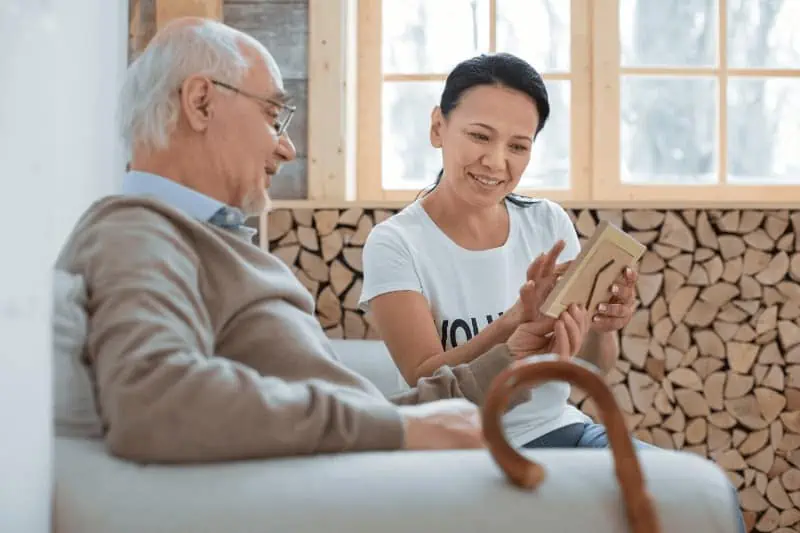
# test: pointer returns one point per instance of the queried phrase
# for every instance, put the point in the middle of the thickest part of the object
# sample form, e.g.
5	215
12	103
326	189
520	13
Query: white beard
255	203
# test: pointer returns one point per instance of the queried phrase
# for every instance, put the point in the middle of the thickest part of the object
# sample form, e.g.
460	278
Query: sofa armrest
445	492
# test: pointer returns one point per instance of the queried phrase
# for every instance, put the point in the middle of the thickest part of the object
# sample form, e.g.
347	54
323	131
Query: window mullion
605	101
581	100
722	104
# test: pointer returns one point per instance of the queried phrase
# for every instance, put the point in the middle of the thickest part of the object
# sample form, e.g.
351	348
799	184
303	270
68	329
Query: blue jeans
582	435
578	435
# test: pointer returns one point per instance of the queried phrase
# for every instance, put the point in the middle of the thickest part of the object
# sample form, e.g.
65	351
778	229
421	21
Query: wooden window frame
370	89
607	76
344	140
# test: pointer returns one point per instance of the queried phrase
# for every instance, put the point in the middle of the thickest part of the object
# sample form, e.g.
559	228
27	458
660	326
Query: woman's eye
519	147
479	136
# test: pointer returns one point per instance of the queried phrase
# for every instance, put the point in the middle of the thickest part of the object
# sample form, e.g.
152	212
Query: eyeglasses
285	113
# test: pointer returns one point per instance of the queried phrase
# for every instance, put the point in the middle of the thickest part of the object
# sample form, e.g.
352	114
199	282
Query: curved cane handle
527	373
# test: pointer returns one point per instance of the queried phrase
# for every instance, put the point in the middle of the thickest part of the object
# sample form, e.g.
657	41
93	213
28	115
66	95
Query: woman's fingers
561	340
551	257
545	264
535	268
562	268
573	330
527	295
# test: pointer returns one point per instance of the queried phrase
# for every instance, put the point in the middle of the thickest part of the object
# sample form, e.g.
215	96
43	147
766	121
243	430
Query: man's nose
286	150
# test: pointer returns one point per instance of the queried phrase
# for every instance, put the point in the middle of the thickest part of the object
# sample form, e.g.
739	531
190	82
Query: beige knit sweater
203	347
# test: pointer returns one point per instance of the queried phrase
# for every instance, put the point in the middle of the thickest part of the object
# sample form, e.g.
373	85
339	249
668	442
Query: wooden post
263	228
167	10
328	60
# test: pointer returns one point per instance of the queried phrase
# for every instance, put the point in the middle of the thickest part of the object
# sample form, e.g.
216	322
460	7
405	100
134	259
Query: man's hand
442	425
615	314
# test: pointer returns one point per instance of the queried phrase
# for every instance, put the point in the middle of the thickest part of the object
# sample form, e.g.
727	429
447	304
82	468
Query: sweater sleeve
470	380
165	396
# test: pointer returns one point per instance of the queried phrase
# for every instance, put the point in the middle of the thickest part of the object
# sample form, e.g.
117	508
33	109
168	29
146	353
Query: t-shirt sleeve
388	265
565	229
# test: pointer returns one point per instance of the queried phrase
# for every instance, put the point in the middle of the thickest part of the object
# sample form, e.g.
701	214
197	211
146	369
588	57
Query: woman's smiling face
486	142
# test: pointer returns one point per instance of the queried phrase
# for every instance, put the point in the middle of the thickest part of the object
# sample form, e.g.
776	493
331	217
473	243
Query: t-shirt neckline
512	223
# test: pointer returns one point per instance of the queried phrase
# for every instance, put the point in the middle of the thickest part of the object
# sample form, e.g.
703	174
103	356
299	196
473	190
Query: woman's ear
437	120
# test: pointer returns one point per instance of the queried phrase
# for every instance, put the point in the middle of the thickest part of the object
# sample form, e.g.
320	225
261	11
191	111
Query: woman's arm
601	349
405	323
392	294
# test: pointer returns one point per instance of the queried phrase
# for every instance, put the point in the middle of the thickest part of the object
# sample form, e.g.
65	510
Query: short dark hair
505	70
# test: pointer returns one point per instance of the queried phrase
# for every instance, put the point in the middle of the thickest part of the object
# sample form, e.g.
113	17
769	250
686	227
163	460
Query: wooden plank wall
282	26
710	362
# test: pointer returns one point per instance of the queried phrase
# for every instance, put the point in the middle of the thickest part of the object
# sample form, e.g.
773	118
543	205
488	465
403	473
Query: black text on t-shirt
461	330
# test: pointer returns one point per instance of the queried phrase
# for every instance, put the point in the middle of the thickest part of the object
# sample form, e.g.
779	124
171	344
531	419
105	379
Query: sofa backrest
75	410
371	359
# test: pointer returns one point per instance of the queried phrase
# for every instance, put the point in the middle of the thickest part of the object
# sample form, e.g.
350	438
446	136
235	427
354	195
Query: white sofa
454	491
447	491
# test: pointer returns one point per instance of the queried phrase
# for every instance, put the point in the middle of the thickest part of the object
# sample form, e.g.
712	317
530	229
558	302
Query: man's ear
437	123
196	102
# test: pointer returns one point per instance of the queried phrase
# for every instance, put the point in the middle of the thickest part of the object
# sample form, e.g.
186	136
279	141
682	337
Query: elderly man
204	347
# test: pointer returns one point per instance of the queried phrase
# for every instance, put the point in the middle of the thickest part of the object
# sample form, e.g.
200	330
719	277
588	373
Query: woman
442	277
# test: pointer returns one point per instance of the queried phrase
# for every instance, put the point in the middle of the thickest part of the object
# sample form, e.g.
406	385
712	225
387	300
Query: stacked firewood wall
710	361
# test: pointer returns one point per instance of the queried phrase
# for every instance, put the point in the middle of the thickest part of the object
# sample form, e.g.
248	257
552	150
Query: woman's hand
544	272
615	314
563	336
538	333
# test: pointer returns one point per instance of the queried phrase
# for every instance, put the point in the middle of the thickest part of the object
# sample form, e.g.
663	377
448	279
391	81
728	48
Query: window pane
763	33
668	33
420	36
668	131
408	159
763	131
537	31
549	166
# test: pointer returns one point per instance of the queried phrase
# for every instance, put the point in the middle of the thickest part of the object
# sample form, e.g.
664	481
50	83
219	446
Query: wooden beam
327	99
141	26
167	10
134	27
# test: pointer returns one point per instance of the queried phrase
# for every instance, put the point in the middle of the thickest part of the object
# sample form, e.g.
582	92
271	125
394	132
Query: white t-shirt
468	289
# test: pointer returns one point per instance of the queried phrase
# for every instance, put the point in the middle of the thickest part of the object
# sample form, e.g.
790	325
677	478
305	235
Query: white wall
61	63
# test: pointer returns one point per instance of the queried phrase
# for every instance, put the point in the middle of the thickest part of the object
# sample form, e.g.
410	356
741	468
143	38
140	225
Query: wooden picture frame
588	279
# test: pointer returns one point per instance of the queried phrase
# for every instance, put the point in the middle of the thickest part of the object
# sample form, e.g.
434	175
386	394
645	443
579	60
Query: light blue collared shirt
191	202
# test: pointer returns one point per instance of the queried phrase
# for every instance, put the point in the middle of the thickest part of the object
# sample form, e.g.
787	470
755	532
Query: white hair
149	103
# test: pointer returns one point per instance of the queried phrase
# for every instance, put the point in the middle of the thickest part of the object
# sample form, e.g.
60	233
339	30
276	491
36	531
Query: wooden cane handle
527	373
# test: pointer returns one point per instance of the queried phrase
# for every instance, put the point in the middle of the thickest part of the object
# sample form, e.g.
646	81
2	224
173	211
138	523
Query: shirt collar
190	201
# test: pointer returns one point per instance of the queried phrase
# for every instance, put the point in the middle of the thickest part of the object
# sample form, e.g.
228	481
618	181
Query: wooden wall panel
141	25
167	10
282	26
711	359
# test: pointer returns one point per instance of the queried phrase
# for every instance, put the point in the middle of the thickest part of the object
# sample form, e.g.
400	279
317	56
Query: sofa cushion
74	408
437	491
